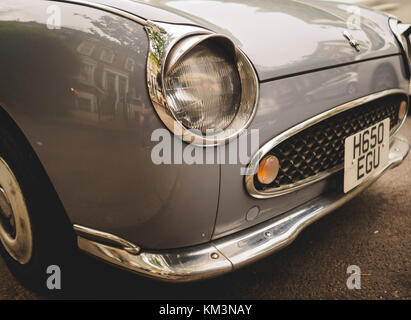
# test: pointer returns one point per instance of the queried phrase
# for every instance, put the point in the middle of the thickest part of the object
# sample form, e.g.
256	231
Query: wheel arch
11	126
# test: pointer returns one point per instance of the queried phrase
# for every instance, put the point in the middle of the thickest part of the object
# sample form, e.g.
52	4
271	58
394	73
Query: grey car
110	110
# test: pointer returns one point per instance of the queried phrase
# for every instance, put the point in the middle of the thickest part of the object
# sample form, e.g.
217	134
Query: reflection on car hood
283	37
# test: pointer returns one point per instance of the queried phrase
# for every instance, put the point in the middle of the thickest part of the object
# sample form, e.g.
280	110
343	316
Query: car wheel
35	232
15	226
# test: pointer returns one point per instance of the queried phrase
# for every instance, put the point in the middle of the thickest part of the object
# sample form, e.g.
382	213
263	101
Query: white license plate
365	152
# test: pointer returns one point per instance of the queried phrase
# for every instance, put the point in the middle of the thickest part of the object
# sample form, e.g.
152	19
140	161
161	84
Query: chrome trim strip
168	43
255	160
190	264
234	251
89	233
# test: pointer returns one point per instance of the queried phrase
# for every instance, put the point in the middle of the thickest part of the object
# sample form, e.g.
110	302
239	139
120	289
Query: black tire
52	233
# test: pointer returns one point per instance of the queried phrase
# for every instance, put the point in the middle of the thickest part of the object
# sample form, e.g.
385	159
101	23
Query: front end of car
208	90
184	143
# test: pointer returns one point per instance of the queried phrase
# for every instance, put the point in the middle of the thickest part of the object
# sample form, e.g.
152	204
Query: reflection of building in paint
105	89
107	55
130	64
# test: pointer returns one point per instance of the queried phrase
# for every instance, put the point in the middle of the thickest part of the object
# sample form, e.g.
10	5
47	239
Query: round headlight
204	89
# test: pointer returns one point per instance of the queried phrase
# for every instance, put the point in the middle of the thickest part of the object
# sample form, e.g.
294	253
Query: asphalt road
372	231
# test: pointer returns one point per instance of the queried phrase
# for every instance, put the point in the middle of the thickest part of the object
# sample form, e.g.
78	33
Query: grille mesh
320	147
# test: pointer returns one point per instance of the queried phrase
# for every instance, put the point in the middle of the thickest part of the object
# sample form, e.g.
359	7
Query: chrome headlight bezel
402	33
170	43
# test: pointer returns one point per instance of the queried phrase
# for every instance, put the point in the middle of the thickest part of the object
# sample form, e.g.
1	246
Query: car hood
282	37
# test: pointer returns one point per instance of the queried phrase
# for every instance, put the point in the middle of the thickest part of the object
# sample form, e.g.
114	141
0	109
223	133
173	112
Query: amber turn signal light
268	169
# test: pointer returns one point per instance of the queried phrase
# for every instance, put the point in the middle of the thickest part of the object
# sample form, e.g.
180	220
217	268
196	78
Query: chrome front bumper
231	252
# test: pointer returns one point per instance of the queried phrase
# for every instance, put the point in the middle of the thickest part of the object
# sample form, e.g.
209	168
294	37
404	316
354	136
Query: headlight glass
203	89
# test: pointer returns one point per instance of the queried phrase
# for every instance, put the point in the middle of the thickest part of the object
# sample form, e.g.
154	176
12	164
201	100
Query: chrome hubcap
15	226
6	214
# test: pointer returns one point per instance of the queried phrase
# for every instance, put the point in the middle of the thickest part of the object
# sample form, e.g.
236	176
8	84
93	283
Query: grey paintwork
96	148
96	153
284	37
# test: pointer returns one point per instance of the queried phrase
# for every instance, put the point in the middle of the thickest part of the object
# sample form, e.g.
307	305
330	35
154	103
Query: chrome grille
320	148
